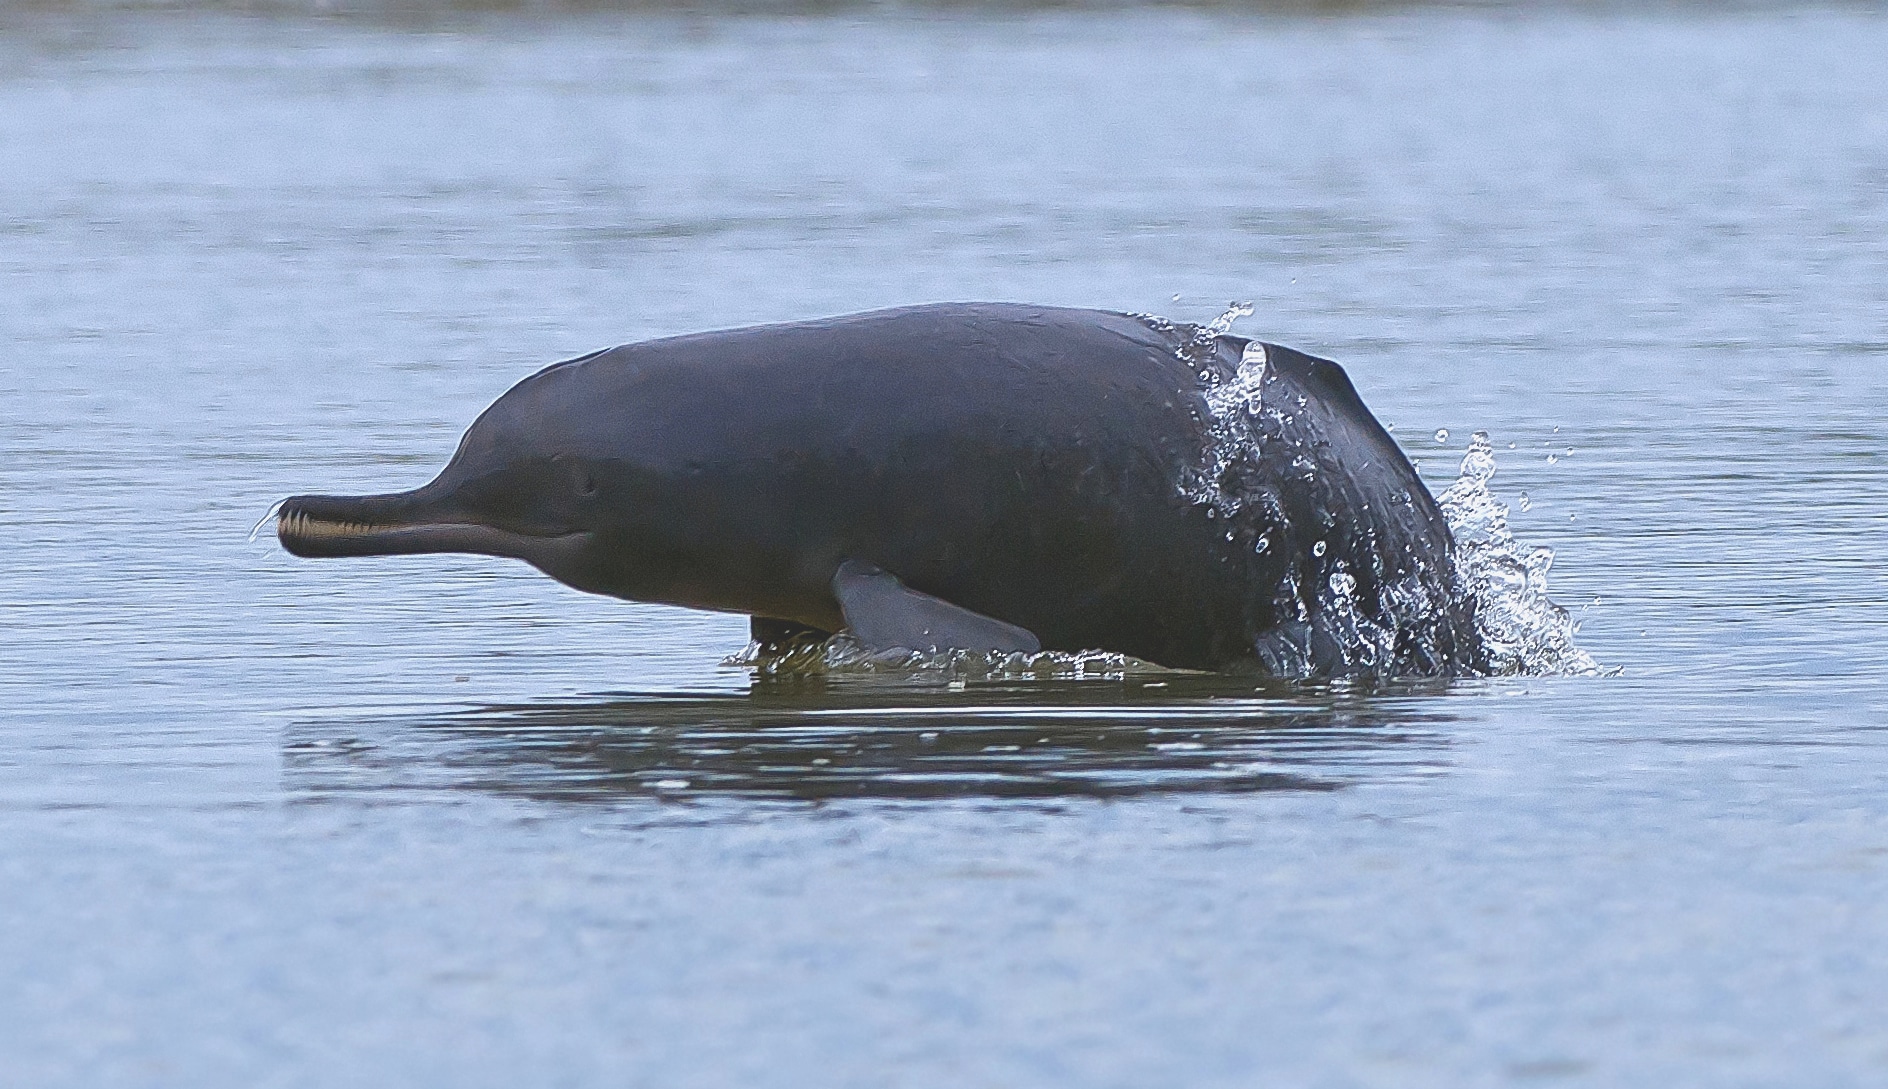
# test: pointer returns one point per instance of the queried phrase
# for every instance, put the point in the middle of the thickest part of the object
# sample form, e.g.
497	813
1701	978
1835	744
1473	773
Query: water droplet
1525	501
1318	549
1442	434
1478	464
1223	323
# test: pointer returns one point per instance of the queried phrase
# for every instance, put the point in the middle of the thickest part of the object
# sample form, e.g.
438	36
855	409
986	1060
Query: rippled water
439	820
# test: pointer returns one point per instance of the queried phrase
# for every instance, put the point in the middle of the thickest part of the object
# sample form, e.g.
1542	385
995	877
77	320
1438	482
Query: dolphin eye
582	480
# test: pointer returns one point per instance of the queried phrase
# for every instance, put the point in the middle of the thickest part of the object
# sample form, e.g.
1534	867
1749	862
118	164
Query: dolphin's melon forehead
565	408
638	402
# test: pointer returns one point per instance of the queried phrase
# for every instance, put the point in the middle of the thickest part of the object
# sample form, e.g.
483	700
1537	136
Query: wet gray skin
985	476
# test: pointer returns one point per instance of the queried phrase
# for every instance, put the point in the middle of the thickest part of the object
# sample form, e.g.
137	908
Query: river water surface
441	821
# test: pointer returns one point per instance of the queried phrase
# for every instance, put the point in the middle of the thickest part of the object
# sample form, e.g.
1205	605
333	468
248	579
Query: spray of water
1233	406
842	655
1524	631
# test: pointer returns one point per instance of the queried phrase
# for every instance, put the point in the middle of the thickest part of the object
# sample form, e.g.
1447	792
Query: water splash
1196	341
1524	632
1233	403
1223	324
842	656
1331	622
1244	391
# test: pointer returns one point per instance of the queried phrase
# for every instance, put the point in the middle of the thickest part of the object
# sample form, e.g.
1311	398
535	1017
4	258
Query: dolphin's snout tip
299	531
292	525
315	526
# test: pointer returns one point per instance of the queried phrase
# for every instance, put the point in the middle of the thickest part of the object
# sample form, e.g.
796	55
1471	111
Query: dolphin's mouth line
304	525
309	535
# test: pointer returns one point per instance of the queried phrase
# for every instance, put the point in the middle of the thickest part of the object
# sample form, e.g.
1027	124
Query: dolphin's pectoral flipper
777	637
883	613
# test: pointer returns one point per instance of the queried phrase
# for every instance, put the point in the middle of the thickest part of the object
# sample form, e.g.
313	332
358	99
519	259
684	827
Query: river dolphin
986	477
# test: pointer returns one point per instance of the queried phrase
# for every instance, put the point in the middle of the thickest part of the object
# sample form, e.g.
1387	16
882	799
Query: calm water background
441	821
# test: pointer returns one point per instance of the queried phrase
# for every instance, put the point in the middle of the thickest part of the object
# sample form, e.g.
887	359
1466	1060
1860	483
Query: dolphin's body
977	476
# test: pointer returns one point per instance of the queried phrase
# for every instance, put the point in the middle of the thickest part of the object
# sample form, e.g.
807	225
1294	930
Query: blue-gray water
439	821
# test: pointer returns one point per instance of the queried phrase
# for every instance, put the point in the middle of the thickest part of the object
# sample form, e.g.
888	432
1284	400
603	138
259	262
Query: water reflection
811	739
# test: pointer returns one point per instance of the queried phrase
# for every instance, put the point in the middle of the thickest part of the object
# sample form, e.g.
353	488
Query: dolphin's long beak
397	524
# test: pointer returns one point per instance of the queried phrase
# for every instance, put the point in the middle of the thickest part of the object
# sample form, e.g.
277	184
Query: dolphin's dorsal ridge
883	614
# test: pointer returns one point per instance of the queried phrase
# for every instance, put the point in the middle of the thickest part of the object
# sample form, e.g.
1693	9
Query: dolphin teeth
304	526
